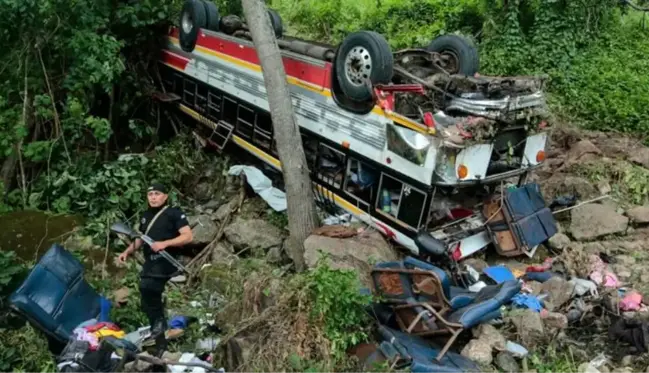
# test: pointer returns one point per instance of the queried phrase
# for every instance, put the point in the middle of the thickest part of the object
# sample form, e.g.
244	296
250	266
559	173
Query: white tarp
262	185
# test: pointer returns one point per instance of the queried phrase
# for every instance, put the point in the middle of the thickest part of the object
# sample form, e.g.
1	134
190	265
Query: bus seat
429	245
55	298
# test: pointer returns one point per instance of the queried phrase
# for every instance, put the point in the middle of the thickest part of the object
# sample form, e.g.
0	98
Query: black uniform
157	270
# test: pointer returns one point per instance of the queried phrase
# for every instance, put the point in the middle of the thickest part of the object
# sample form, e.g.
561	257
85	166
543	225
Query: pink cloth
631	301
601	275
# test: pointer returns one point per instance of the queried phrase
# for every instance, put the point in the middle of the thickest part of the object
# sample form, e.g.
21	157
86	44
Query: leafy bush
338	302
11	272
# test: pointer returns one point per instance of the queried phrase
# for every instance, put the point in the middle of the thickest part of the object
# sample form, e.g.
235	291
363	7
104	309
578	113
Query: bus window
230	111
214	106
401	201
262	134
179	82
189	92
201	97
264	122
360	180
310	146
408	144
330	165
412	206
245	122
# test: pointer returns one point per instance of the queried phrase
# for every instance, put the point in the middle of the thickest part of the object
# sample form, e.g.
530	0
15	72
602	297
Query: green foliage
120	183
11	271
629	183
338	302
25	350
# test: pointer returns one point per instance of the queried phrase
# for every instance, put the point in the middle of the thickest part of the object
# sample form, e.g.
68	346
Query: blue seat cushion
485	304
532	221
55	297
421	353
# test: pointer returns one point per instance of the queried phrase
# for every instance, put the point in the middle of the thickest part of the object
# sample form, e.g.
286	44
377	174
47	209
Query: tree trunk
302	218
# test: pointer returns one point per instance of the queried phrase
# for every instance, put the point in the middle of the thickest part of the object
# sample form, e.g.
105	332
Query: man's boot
158	335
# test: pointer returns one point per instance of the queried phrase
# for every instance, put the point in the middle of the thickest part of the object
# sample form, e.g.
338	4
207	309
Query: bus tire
462	53
363	57
276	22
192	19
213	18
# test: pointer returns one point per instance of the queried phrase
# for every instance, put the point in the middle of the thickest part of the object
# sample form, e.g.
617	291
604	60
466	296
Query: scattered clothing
499	274
600	273
584	286
633	332
545	266
631	301
539	276
527	301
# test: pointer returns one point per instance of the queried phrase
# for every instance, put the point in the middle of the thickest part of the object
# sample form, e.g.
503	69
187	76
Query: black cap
158	187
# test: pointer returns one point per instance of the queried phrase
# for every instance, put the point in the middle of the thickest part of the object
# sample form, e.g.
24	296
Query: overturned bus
413	142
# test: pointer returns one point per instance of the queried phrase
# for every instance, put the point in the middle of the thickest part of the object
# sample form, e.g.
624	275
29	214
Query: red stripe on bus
316	75
174	59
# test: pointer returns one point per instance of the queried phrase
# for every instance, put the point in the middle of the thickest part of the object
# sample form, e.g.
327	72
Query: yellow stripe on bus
304	84
271	160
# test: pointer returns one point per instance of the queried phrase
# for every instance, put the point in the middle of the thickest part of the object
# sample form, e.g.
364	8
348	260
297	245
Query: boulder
275	255
591	221
203	229
253	233
360	252
555	320
222	253
559	292
529	326
581	151
490	335
560	185
559	241
639	214
641	157
478	351
224	210
507	363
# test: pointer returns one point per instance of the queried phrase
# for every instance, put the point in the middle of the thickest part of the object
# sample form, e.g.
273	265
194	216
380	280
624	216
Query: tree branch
57	121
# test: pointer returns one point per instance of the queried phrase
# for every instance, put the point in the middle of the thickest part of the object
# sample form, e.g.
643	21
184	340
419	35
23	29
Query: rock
224	210
478	351
623	272
529	326
594	248
559	241
222	253
644	278
359	252
587	368
203	229
625	260
640	157
203	191
141	365
490	335
624	370
275	255
559	291
604	187
506	362
627	361
580	152
639	214
555	320
593	220
560	185
253	233
212	204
